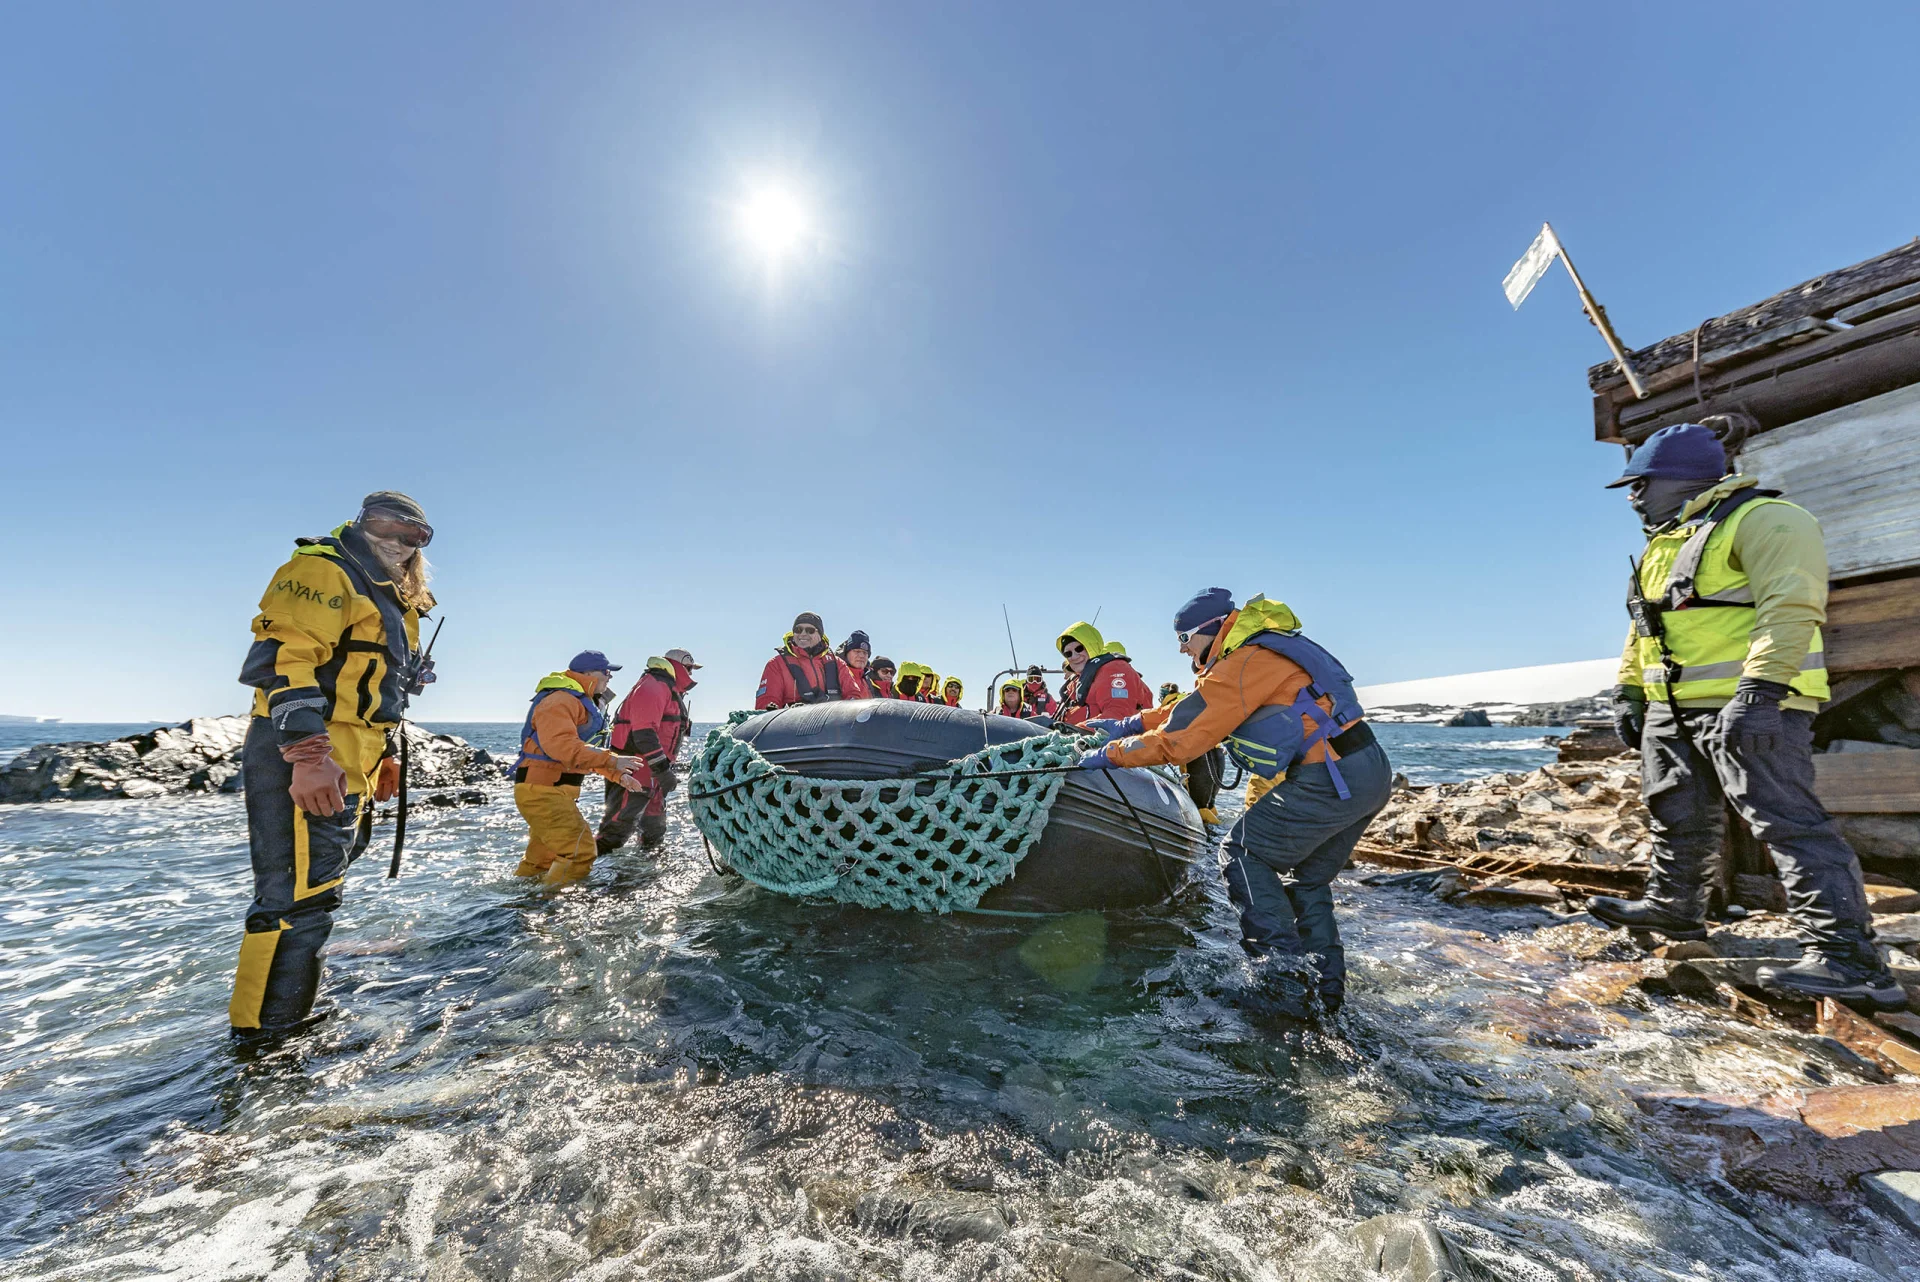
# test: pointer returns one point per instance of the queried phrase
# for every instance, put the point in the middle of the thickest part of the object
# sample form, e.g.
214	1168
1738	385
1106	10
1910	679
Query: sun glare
774	222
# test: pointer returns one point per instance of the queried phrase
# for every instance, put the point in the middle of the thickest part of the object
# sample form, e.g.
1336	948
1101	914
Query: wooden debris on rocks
1577	827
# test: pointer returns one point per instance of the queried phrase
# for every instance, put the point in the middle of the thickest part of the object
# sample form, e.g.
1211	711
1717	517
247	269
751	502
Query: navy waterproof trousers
299	864
1283	854
1686	769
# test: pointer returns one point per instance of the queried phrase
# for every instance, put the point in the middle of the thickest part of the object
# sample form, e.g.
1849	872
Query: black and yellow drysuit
334	647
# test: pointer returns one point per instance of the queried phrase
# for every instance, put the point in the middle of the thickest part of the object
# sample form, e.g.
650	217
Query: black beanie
880	663
808	616
856	640
393	503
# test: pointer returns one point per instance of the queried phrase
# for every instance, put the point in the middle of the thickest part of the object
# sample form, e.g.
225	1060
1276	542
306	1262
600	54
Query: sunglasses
1184	637
1072	648
414	534
808	629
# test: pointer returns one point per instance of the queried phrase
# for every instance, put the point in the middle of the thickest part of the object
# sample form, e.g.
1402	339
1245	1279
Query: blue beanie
1683	452
1212	603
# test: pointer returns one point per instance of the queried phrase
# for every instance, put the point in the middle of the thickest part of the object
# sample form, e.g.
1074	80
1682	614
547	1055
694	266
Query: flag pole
1598	315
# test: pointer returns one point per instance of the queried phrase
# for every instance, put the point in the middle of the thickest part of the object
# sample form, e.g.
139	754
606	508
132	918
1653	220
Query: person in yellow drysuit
952	691
556	756
334	658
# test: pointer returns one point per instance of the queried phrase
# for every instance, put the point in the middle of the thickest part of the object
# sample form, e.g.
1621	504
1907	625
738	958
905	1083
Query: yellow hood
1086	634
960	687
559	681
1117	648
1256	616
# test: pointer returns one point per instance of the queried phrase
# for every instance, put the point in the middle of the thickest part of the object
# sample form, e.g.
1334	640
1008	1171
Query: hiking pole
406	694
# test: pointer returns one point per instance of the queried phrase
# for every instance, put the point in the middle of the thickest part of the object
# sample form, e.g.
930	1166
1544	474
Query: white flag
1532	266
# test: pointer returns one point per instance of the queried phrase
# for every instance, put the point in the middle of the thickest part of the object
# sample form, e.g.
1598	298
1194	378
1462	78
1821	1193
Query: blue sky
1108	303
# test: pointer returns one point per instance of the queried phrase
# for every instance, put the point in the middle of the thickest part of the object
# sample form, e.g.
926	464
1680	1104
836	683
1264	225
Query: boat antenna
1096	617
1004	618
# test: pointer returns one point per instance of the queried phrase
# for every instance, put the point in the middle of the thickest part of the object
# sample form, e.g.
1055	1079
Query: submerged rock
199	755
1406	1248
1809	1145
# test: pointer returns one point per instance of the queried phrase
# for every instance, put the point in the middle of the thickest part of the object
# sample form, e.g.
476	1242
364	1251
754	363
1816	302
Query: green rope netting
933	842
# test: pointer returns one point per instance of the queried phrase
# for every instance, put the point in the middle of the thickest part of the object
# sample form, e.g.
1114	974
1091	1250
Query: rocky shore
201	755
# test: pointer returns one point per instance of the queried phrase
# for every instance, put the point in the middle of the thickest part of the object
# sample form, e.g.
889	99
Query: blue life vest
595	720
1273	739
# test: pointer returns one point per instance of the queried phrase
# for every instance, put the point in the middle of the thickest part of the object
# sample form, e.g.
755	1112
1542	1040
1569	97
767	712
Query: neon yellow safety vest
1710	629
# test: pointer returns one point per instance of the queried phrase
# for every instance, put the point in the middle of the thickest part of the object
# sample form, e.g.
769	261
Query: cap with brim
682	658
591	661
1682	452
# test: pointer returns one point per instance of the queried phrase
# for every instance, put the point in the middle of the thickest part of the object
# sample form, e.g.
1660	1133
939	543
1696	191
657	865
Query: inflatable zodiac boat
919	806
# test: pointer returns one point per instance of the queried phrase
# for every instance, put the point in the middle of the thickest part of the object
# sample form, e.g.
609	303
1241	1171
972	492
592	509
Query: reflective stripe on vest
1709	630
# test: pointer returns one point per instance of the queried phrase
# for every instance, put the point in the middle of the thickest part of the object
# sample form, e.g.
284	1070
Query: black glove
1630	714
665	777
1750	723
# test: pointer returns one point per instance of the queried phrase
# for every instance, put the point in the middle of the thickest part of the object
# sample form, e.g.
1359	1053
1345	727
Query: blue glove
1750	723
1094	761
1117	729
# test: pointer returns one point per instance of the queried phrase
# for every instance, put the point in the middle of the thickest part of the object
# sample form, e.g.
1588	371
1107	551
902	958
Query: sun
774	222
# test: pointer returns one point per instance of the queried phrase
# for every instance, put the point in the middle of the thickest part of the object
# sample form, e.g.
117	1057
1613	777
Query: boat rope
932	841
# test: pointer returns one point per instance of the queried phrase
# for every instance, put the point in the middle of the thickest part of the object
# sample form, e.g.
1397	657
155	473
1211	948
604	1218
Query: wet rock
465	797
1604	984
1808	1145
199	756
1405	1248
1070	1263
1686	950
1515	892
1469	717
1896	1195
946	1218
1865	1038
1591	743
1897	928
1765	894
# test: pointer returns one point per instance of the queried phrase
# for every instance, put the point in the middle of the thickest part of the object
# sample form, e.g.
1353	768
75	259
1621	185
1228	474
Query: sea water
664	1073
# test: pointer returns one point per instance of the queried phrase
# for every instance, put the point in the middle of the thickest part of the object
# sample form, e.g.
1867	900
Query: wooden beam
1777	387
1820	297
1873	625
1868	783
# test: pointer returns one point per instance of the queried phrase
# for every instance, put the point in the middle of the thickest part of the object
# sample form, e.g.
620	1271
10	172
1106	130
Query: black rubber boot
1817	975
1646	914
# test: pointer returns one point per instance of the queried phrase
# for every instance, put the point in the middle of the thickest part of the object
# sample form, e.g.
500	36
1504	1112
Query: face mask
1660	500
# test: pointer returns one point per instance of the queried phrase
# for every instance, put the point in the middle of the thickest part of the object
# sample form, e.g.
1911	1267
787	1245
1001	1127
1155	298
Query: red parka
653	719
794	676
1115	691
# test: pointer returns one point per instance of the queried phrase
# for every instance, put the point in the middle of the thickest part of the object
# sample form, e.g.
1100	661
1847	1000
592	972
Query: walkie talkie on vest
411	686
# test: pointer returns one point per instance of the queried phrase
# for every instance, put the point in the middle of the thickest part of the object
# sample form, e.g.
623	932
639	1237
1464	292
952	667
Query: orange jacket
557	720
1231	689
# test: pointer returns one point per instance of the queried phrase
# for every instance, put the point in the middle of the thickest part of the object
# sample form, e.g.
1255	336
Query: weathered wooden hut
1821	386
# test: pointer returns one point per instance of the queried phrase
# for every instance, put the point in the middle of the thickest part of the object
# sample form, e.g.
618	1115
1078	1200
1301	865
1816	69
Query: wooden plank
1857	468
1779	387
1593	878
1868	783
1820	297
1873	625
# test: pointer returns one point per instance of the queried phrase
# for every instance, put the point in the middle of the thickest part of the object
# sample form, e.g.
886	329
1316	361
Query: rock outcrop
1587	812
1468	717
200	755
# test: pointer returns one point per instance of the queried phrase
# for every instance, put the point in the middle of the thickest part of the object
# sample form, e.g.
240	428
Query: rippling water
666	1074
